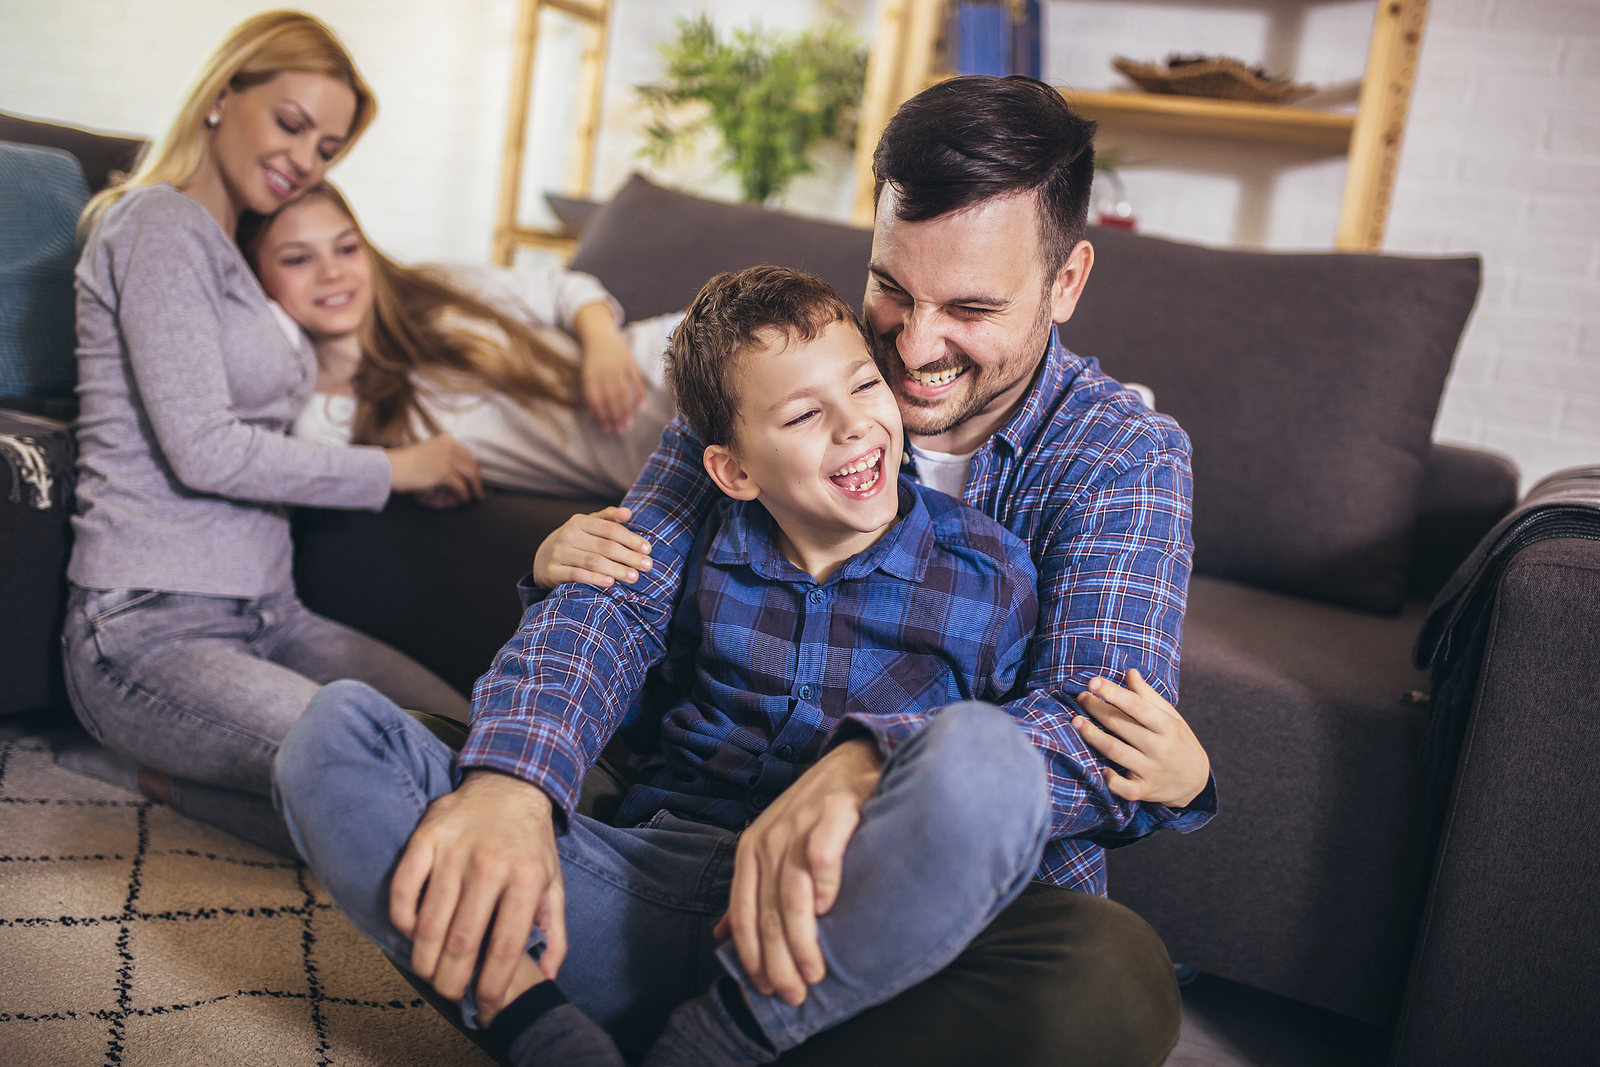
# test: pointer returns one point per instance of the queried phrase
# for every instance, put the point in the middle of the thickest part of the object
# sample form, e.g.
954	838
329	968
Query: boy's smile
818	442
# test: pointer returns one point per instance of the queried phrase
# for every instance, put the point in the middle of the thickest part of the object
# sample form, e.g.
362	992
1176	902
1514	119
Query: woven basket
1218	79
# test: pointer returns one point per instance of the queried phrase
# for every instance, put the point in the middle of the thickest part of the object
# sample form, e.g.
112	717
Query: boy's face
818	441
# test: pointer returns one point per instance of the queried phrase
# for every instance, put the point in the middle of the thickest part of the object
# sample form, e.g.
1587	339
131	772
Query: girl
188	654
484	354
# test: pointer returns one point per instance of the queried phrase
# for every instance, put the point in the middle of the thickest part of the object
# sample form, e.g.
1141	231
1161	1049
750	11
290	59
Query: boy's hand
484	853
787	871
1162	760
595	549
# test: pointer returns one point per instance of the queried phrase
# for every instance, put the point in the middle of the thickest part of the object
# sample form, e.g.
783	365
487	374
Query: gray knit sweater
186	386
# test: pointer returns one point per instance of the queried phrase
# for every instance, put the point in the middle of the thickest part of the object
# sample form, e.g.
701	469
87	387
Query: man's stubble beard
977	397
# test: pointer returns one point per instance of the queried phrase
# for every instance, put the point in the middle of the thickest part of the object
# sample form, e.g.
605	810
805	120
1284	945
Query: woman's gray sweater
186	386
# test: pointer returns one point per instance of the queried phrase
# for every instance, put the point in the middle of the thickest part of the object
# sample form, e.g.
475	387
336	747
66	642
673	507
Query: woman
188	655
484	354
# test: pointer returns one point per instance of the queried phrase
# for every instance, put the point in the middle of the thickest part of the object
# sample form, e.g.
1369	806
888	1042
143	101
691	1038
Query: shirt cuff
530	592
886	736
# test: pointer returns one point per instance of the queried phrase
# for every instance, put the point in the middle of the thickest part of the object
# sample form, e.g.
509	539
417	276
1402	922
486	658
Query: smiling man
977	251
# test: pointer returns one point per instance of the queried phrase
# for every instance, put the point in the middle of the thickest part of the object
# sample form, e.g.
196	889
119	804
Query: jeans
948	840
205	688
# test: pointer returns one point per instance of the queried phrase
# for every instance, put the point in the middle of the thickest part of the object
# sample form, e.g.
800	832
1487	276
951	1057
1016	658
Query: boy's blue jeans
951	837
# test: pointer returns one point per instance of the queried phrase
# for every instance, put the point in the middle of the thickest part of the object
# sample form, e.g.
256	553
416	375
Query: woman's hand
613	387
441	471
596	549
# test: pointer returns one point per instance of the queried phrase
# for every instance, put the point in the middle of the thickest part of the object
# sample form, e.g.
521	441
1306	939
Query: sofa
1451	912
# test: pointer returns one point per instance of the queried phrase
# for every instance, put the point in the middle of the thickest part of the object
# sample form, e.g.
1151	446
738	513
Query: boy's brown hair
728	317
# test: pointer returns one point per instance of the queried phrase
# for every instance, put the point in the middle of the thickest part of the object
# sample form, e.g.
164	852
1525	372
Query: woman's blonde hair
423	327
258	50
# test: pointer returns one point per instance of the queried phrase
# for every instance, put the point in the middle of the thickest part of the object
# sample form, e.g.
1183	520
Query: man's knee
1085	973
1058	978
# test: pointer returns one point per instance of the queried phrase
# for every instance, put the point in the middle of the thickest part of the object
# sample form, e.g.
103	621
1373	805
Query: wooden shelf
1272	123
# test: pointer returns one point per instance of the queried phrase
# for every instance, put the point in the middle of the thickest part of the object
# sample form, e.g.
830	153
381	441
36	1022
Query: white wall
1502	154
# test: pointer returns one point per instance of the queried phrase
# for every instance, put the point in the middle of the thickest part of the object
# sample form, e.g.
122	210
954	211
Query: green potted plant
772	97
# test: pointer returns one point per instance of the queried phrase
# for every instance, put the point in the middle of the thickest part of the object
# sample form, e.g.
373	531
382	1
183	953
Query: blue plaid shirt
1095	484
764	662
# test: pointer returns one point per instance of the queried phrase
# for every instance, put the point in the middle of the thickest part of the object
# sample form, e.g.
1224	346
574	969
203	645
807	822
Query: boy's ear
729	474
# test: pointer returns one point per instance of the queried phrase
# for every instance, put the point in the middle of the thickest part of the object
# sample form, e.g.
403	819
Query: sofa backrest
653	248
99	155
1308	385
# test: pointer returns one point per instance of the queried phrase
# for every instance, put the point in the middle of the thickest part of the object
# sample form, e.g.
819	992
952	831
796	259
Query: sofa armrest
441	586
1464	493
1505	957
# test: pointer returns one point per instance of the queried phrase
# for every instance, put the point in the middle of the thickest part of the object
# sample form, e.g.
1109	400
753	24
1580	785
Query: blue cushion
41	194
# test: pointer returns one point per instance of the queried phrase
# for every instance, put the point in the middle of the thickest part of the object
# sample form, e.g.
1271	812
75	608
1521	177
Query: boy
829	604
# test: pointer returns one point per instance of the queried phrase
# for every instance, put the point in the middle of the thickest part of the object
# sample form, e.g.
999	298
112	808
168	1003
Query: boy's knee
979	760
343	720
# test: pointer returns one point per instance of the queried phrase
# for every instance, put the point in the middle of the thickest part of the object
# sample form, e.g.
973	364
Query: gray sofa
1324	520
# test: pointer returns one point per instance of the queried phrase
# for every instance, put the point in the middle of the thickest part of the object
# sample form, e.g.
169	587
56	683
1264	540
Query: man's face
961	311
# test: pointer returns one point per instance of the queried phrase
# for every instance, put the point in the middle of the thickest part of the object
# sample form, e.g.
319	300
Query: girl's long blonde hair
420	326
258	50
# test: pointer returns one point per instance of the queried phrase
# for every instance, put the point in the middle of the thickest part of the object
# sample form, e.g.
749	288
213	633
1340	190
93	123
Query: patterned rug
134	936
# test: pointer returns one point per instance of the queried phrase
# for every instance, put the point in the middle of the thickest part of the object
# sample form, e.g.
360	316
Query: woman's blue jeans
951	836
205	687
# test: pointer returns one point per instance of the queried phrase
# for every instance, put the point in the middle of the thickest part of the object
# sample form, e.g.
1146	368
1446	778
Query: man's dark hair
966	140
729	317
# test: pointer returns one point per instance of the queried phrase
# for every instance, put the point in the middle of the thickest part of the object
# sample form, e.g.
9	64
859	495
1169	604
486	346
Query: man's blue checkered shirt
1096	485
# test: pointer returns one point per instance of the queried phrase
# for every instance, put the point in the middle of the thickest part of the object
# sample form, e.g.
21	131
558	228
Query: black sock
540	1029
733	1003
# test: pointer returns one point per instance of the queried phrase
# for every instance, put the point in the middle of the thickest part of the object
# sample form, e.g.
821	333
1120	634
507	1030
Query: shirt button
785	751
816	596
758	802
805	692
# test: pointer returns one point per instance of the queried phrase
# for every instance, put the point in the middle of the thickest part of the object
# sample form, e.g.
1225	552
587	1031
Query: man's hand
787	871
1161	758
483	854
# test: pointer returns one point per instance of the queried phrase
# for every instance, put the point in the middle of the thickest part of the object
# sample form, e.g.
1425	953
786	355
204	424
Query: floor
1230	1025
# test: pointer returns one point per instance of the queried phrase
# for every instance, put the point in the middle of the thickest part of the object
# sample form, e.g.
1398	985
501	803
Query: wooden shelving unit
903	64
1329	130
594	15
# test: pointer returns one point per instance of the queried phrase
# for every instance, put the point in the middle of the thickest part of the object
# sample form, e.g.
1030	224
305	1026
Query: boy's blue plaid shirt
1097	486
764	662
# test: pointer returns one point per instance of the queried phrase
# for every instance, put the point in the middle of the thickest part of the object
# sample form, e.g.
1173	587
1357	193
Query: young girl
188	654
484	354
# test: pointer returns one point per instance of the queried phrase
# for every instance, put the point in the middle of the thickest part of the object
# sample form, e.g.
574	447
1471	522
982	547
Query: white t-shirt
944	471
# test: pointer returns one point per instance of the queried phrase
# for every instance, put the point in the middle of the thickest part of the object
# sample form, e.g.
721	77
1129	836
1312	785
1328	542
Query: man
977	252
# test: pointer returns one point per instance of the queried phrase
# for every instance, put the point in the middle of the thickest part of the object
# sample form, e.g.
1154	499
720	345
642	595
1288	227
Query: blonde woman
188	655
528	369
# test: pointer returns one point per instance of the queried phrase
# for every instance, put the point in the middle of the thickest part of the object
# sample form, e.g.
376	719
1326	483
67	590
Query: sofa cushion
1308	385
654	247
41	194
1309	881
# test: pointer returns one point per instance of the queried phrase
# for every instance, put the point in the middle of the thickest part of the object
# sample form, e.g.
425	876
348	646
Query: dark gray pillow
654	248
1308	385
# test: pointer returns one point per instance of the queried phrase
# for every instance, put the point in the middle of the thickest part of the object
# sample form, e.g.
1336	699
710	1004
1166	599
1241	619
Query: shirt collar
749	536
1054	377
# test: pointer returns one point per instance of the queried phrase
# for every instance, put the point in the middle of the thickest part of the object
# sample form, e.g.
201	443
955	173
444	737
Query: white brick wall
1502	157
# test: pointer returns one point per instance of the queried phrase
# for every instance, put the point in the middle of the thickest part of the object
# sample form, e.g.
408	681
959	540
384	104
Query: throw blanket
1566	504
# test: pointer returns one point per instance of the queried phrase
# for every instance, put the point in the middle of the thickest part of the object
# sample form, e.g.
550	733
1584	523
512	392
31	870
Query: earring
212	120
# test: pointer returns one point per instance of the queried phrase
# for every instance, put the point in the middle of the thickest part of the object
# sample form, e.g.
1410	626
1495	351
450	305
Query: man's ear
729	474
1070	280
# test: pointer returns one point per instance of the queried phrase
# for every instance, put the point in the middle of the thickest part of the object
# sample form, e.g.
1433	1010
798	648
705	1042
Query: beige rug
130	935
